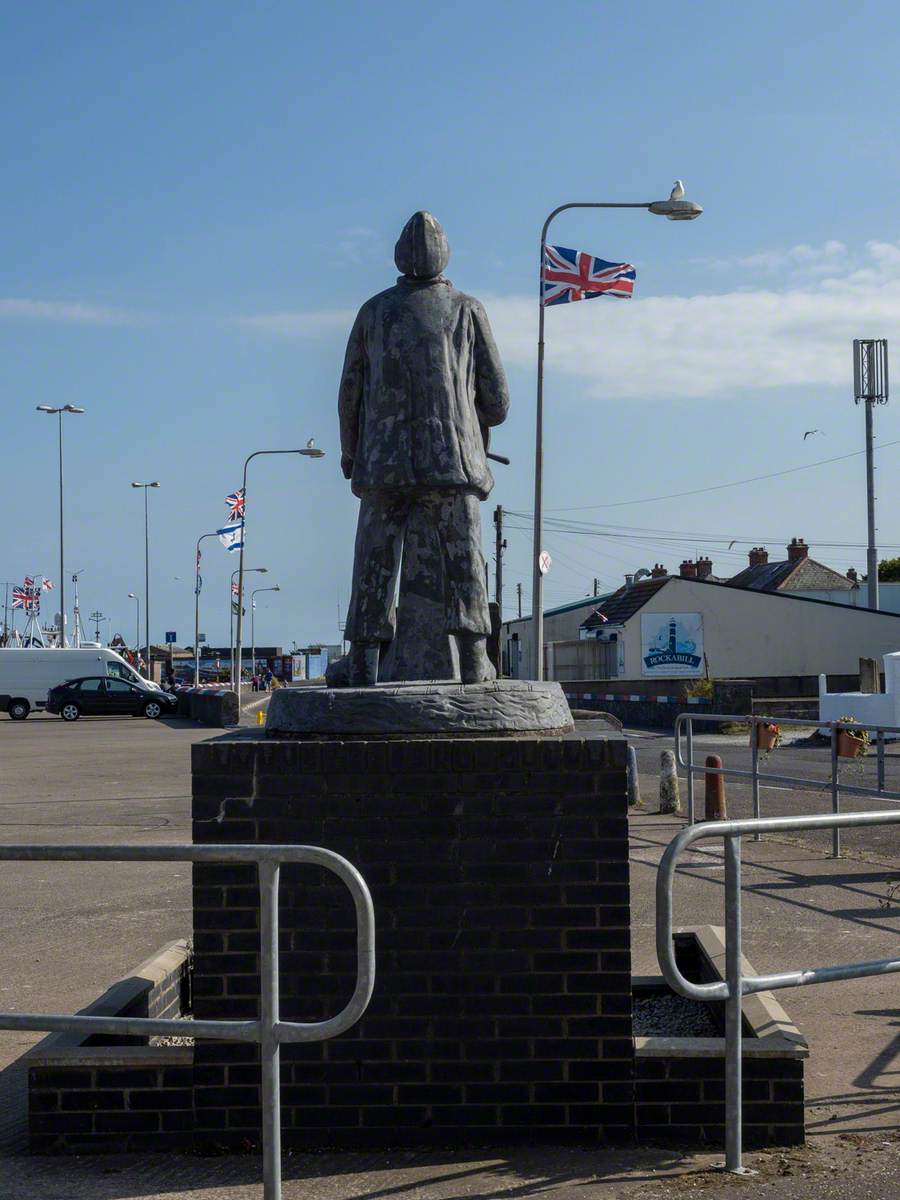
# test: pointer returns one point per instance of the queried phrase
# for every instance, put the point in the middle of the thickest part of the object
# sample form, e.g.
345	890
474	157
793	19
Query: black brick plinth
498	870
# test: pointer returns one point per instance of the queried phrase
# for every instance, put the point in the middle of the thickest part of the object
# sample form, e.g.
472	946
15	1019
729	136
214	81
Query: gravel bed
672	1016
173	1039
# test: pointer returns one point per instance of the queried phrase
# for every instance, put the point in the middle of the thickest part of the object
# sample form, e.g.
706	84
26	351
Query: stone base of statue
442	707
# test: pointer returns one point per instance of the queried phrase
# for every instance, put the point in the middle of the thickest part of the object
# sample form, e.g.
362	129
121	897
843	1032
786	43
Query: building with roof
796	573
673	628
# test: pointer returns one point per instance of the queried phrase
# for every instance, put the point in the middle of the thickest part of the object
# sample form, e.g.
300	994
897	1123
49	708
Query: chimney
629	581
853	575
658	572
704	567
688	569
797	550
759	556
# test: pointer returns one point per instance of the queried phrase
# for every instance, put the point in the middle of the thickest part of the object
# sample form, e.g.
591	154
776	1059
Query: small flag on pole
574	275
235	502
47	585
232	536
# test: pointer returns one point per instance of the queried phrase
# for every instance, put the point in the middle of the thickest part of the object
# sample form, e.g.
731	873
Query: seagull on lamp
677	191
311	443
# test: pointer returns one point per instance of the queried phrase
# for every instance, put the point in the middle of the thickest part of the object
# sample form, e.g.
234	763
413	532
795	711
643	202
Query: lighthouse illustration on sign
672	643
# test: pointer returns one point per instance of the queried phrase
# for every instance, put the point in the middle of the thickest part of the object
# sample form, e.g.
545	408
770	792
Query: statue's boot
363	664
474	664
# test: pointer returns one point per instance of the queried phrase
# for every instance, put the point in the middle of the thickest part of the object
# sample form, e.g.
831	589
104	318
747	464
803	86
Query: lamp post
66	408
276	588
145	486
197	586
675	210
137	620
235	659
310	450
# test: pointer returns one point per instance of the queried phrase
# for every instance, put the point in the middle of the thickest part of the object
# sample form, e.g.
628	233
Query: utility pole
519	597
870	385
499	547
97	617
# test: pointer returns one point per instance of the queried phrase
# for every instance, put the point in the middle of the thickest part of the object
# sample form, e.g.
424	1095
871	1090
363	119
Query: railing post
689	737
880	744
754	764
733	1031
835	794
269	1015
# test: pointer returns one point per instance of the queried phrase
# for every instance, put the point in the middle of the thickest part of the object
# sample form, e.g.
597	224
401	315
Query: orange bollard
715	791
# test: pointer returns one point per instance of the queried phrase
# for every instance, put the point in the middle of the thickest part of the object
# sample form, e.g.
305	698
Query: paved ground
71	930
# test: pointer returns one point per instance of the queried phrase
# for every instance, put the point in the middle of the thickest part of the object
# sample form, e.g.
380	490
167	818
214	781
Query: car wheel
152	709
19	709
70	712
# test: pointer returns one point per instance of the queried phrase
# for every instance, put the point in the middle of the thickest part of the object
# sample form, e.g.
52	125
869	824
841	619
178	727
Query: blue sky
198	197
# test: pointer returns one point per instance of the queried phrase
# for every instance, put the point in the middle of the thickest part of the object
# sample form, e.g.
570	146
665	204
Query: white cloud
829	258
689	347
707	345
58	310
358	244
299	324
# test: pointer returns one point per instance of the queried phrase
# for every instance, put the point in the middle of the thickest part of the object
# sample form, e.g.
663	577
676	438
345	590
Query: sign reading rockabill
672	644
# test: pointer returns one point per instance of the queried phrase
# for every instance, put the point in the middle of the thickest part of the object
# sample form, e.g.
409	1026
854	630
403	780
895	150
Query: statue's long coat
422	383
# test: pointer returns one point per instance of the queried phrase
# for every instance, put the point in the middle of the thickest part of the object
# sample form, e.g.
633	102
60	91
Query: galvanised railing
685	722
269	1032
736	985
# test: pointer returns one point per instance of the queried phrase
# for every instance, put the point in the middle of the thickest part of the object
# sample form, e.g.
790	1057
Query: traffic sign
545	562
170	637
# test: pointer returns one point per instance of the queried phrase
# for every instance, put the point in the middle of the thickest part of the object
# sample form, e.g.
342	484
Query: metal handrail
736	985
758	778
269	1031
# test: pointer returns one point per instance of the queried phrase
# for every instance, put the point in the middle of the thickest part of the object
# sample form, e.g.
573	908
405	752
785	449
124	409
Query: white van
27	674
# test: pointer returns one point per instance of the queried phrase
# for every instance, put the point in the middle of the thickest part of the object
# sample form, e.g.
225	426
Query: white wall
558	627
858	597
747	633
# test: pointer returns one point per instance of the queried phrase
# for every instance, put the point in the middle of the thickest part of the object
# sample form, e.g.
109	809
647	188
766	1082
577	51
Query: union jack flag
235	589
24	597
29	582
47	585
235	502
575	275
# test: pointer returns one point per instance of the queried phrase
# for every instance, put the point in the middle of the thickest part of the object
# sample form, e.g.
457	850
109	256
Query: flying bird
677	191
732	543
810	432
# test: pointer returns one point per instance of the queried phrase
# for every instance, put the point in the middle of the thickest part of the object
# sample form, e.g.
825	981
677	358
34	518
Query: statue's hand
347	465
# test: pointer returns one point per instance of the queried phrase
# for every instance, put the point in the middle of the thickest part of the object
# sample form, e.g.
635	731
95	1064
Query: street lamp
276	588
197	586
137	620
235	659
675	209
145	486
310	450
66	408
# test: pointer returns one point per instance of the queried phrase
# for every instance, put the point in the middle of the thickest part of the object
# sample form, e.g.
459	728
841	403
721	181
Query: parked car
100	696
28	673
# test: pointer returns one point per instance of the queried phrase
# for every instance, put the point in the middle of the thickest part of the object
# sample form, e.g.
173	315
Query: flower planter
766	737
849	746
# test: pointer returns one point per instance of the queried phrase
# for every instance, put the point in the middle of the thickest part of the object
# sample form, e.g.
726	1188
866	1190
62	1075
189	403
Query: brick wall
88	1095
498	869
683	1099
114	1107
